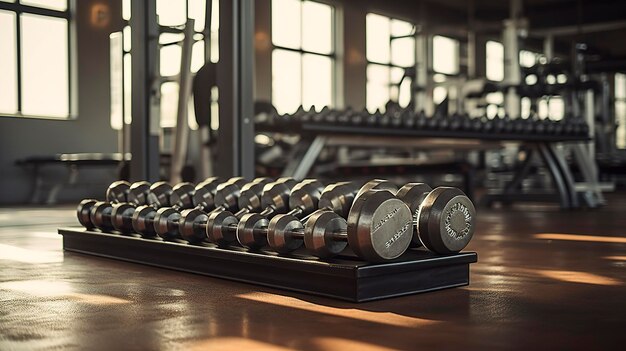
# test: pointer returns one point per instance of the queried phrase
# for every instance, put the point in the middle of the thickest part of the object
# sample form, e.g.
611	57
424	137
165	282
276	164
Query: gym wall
89	132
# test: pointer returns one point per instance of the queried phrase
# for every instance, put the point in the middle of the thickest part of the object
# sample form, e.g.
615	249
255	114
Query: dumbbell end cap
217	228
318	234
82	212
277	236
447	220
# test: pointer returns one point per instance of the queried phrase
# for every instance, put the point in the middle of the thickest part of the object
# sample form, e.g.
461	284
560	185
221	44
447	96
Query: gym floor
546	279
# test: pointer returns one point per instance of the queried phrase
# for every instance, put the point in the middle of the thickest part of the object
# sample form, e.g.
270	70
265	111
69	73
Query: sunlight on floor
353	313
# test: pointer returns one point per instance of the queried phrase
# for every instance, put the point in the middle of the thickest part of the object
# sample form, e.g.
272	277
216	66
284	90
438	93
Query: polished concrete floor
546	279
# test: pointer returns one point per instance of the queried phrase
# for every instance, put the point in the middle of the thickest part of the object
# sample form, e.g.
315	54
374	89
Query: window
35	60
173	13
303	57
620	110
495	61
390	49
445	55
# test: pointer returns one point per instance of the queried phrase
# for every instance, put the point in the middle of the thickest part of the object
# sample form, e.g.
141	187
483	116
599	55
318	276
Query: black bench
73	162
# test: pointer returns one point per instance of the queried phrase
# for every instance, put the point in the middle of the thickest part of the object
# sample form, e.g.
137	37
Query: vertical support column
354	70
235	79
512	73
181	134
423	81
144	145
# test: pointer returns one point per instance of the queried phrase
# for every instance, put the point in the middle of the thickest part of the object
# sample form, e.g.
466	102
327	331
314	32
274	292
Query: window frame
333	55
68	14
390	64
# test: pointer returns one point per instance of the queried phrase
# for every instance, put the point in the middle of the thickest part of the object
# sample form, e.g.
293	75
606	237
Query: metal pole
235	80
181	133
145	127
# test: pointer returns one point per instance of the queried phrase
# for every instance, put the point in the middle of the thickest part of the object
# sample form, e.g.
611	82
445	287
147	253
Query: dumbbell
378	228
116	191
98	214
337	198
166	221
119	216
345	117
442	219
196	226
222	227
181	196
256	231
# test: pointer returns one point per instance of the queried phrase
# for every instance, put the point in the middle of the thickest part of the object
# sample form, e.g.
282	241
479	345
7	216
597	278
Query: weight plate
377	184
121	217
181	195
246	228
320	233
159	194
379	226
221	228
413	194
100	216
162	222
117	191
189	225
305	195
142	221
138	193
338	197
82	212
447	220
277	233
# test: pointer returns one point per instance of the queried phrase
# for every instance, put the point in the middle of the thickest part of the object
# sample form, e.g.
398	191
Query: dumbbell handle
341	235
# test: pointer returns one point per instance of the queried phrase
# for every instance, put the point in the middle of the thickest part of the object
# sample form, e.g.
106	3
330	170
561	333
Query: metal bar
556	175
18	45
302	166
181	133
235	82
144	146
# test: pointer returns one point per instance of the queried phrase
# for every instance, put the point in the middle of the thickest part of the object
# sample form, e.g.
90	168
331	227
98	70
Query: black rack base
344	277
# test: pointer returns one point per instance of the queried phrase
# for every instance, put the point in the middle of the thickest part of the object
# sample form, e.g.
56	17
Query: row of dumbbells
377	220
409	119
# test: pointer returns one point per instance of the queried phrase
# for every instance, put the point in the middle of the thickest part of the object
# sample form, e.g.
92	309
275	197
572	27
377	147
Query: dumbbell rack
344	277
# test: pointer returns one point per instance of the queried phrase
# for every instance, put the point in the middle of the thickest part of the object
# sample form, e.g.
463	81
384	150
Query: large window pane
126	10
377	37
170	60
169	104
316	81
286	23
60	5
377	87
45	76
403	52
197	56
495	61
286	80
197	11
445	55
171	12
8	63
401	28
317	26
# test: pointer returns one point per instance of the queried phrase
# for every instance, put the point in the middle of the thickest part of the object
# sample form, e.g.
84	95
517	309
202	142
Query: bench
73	162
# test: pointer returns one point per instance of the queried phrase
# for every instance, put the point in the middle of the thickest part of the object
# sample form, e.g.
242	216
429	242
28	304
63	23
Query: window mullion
18	49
